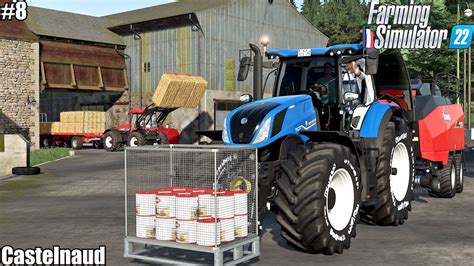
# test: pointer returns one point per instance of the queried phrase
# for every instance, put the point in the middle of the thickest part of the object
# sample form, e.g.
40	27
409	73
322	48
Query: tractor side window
291	81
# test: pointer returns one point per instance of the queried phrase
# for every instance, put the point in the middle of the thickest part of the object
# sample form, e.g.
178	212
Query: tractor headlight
264	131
225	136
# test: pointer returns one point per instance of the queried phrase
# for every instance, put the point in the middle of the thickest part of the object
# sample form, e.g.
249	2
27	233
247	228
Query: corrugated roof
164	11
53	23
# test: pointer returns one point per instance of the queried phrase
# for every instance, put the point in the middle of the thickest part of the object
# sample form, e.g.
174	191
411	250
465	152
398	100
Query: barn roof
173	9
59	24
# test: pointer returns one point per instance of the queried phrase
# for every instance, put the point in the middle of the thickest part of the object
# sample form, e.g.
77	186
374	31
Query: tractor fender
376	120
333	137
287	144
115	130
375	127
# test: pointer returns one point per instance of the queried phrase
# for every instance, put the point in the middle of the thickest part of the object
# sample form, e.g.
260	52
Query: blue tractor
334	141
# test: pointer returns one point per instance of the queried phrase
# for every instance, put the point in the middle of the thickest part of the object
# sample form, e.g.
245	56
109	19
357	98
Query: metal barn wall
214	52
231	28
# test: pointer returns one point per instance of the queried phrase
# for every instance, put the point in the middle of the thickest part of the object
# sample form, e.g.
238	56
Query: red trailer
73	140
146	128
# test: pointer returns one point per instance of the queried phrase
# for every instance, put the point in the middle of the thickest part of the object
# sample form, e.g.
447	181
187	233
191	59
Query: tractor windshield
306	75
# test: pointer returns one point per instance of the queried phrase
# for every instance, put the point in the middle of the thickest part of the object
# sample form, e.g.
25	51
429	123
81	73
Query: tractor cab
326	74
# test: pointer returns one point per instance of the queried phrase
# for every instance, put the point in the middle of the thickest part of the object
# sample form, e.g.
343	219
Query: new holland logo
307	125
244	121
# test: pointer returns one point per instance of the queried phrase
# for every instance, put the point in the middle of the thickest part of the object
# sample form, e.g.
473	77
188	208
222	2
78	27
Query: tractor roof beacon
334	143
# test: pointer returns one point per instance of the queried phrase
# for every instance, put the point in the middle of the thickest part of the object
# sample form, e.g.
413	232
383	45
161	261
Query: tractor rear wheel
111	141
394	173
319	197
163	138
460	172
136	139
447	180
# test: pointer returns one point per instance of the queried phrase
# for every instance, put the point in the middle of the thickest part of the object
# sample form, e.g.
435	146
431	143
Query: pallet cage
190	197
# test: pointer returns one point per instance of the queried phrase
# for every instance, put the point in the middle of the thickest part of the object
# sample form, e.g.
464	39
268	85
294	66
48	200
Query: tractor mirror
371	61
244	68
246	98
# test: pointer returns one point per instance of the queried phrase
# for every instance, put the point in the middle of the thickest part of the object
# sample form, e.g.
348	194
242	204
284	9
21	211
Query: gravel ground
78	203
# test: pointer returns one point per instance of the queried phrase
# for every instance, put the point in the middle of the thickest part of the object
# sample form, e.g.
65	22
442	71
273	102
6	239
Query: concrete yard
78	202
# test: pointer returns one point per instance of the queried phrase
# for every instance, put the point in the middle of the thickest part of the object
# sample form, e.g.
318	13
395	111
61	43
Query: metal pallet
236	247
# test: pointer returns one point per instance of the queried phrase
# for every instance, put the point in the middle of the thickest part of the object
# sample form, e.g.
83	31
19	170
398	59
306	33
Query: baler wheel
459	172
319	198
447	179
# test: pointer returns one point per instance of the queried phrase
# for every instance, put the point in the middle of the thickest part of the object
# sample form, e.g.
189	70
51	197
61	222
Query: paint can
165	228
186	206
186	231
241	225
227	229
145	226
225	204
208	232
204	203
145	203
165	204
240	202
179	189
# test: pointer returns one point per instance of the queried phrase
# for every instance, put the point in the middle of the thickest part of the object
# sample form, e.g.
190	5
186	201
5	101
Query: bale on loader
176	91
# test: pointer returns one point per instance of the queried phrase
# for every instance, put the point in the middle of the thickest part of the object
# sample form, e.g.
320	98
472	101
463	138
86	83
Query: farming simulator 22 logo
407	26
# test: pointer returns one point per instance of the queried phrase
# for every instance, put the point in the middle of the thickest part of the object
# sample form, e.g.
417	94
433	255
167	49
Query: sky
100	7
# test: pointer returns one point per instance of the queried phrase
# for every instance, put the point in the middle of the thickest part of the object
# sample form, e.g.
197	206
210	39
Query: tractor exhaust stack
257	72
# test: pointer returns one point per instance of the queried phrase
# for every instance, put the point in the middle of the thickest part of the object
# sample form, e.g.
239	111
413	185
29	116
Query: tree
341	20
427	63
293	3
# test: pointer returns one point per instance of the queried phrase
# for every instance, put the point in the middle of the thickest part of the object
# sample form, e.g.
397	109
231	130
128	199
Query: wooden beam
126	79
44	81
73	76
101	81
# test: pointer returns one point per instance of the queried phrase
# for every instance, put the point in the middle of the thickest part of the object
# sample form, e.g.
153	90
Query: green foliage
427	63
341	20
47	155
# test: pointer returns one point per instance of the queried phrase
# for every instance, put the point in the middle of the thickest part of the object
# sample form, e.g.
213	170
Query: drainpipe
137	37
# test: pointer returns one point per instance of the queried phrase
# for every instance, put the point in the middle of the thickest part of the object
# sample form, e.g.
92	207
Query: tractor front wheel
319	197
136	139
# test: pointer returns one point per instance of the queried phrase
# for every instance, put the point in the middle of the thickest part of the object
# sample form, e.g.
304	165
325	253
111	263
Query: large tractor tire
460	172
394	173
319	197
111	141
447	180
136	139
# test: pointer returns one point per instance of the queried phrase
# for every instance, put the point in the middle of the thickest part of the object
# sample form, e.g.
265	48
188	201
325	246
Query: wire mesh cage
195	195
